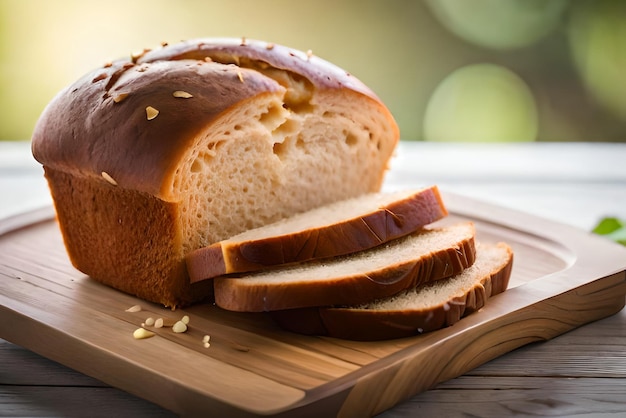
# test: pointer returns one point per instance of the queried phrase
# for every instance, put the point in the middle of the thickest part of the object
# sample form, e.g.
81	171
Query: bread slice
155	155
337	229
421	309
427	255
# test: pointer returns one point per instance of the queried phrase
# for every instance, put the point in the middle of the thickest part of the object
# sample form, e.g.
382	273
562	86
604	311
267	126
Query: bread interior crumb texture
259	147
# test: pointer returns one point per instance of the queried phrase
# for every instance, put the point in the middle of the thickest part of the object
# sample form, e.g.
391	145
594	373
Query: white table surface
576	184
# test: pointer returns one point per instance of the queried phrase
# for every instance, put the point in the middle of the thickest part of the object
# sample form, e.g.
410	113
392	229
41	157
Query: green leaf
613	229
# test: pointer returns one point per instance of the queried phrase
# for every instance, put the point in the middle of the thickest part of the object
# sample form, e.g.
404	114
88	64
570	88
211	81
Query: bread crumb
142	333
179	327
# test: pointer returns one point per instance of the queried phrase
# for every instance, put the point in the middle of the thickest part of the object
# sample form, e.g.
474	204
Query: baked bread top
87	126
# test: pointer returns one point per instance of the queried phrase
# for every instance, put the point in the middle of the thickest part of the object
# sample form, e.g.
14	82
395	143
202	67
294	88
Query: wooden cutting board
562	278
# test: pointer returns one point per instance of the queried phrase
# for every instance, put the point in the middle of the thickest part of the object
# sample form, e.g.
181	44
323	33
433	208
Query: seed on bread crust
136	55
120	97
111	180
182	94
151	112
99	77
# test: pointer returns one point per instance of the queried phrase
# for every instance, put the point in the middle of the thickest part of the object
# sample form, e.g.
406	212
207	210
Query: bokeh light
570	52
597	38
500	24
481	103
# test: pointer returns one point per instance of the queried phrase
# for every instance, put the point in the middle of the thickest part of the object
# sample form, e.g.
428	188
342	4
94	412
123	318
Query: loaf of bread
345	227
151	157
429	254
425	308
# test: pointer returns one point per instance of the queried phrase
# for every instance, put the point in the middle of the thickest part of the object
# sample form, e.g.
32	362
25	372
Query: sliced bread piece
427	255
336	229
422	309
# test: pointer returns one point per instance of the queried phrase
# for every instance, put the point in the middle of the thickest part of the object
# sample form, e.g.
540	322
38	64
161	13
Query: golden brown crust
140	252
388	222
105	126
234	293
323	74
372	324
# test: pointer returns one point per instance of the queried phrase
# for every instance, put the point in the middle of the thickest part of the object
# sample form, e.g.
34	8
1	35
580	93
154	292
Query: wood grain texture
562	278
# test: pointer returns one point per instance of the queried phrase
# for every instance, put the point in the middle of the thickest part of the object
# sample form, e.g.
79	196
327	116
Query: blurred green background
449	70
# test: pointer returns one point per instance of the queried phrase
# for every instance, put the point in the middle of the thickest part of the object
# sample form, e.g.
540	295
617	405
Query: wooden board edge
402	376
26	219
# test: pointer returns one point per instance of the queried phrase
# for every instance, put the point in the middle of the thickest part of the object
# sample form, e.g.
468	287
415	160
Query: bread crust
371	324
388	222
242	294
84	130
323	74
